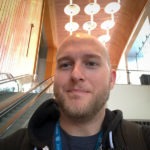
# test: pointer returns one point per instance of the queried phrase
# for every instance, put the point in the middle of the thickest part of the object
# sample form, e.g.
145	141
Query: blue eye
92	64
65	66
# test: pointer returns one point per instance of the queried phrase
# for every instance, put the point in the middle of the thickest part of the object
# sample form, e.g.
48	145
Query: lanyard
58	142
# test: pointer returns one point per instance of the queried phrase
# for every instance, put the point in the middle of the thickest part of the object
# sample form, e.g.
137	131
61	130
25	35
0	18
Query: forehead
79	46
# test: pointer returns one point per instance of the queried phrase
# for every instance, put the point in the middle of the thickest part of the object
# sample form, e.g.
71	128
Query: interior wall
49	24
133	100
41	69
20	25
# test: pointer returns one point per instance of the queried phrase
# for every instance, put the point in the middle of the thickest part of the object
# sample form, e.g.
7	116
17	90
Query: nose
77	73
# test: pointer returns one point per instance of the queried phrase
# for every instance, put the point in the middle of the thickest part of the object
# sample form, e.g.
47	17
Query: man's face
83	78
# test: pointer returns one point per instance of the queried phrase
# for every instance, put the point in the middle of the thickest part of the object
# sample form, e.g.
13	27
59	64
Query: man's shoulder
18	134
135	134
132	126
146	135
15	140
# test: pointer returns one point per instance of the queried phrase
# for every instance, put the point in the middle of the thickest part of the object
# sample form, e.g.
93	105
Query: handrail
10	122
14	79
12	105
6	105
130	76
8	74
128	70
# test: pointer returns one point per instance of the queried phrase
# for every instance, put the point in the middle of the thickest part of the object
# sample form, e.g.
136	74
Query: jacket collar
42	123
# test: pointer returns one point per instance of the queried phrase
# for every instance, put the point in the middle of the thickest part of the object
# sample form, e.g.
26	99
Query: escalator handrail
23	96
23	110
14	78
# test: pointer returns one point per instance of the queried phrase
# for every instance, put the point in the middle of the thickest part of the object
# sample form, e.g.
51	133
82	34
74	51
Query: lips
77	91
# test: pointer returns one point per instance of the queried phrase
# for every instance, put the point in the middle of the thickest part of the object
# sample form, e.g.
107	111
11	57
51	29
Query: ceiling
125	21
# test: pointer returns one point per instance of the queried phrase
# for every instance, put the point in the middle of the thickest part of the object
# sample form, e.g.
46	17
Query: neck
79	128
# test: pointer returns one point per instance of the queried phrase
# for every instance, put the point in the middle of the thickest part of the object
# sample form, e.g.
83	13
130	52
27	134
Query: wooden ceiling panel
125	20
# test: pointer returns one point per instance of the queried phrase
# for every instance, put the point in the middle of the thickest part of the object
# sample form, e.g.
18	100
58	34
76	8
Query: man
78	119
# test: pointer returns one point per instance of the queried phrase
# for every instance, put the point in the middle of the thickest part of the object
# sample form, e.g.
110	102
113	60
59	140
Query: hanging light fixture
91	9
112	8
104	38
108	24
89	26
71	26
71	10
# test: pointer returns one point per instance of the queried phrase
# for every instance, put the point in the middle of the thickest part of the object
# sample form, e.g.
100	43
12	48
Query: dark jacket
40	131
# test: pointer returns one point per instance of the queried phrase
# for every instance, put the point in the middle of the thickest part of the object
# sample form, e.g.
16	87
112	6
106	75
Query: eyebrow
92	56
63	59
86	56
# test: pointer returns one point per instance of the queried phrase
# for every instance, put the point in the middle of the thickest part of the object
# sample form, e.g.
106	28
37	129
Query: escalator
16	108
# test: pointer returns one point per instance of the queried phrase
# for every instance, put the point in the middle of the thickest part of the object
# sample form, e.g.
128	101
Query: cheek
57	80
100	80
60	79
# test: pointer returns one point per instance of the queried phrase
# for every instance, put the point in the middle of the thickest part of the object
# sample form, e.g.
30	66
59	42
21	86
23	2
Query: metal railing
8	107
14	83
132	76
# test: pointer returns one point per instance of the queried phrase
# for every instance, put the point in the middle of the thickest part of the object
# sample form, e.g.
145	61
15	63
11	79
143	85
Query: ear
112	78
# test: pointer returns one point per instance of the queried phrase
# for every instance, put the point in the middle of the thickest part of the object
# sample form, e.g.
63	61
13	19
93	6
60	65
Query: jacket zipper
100	148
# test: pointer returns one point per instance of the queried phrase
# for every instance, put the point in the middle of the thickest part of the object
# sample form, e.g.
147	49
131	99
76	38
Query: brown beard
89	112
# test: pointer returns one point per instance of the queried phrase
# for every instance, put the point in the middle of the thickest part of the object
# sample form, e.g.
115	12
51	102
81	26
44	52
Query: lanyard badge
58	141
